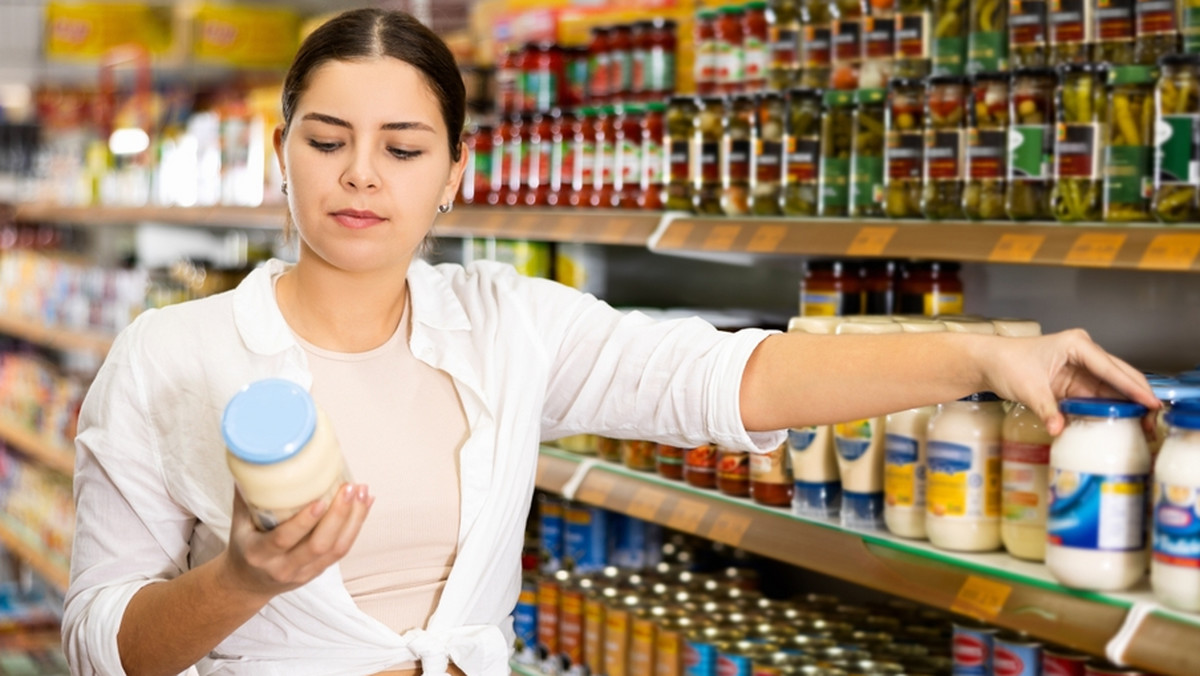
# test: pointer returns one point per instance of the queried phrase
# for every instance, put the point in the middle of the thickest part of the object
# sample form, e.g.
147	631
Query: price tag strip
981	598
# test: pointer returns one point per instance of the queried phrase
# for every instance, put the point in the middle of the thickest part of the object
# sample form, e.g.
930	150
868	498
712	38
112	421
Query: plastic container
987	148
281	450
866	160
1177	152
1096	526
836	126
818	486
769	155
679	145
1078	191
987	39
803	152
945	124
1027	34
904	155
1175	566
1025	471
1031	149
737	151
1129	155
914	38
963	499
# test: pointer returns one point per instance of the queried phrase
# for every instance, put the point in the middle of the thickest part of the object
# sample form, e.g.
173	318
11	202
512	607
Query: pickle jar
1027	34
678	147
950	19
987	41
802	151
1114	32
905	151
1031	144
879	45
836	126
945	123
1069	31
866	159
785	44
1156	31
1129	155
737	146
1079	142
912	41
706	196
816	43
1177	152
768	155
987	147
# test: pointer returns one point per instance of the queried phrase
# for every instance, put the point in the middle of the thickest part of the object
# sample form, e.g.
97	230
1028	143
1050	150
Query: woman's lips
357	220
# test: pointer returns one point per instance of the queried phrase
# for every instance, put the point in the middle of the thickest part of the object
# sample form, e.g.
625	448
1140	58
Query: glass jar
930	289
627	151
638	455
583	178
658	71
599	66
768	159
950	37
830	288
1156	30
477	179
1079	143
987	40
733	472
816	43
700	466
784	70
731	51
669	461
847	34
706	190
508	71
866	159
498	181
945	121
640	54
1031	145
515	141
755	40
562	157
1114	32
1177	154
620	62
803	150
771	478
536	191
914	34
604	194
704	41
879	293
653	143
987	147
1069	31
879	45
737	148
1129	155
1027	34
682	128
837	124
904	155
575	66
547	82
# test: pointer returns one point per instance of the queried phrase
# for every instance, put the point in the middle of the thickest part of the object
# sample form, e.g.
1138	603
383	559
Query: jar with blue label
818	486
1175	566
1099	466
525	622
963	457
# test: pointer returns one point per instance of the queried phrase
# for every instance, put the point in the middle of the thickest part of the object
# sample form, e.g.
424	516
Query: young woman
440	382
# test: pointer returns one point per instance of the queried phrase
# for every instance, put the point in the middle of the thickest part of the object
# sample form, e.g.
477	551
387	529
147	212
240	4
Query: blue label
1096	511
801	439
551	544
734	665
901	450
634	542
525	624
1177	526
862	510
972	651
818	499
947	458
852	439
851	449
700	658
1016	659
587	539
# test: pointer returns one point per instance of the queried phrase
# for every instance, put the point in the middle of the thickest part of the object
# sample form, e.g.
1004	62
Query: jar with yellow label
945	123
866	160
904	155
836	132
1177	150
803	152
1077	194
1129	156
963	501
987	147
930	289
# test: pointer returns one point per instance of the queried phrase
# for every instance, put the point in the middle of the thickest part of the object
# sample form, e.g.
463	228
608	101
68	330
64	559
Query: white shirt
531	359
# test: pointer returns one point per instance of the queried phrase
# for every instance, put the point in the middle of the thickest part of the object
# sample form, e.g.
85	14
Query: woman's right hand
297	550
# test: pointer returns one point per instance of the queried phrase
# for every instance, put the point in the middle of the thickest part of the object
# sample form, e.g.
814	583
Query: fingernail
318	508
348	493
363	493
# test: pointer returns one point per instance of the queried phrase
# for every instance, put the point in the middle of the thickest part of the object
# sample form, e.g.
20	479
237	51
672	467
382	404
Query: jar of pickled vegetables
987	41
1031	144
879	45
1129	157
679	146
1190	26
816	43
1114	32
785	45
1079	143
706	197
914	34
802	151
847	43
768	155
945	122
1177	154
950	37
1027	33
1069	31
904	155
836	126
737	146
866	160
1156	30
987	147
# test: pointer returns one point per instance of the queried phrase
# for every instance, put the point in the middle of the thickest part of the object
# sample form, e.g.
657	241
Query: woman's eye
402	154
324	147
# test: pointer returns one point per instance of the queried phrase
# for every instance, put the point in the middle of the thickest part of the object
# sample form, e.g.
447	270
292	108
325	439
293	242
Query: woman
439	382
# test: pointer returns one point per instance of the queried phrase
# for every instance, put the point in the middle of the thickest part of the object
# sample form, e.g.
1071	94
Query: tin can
525	622
548	598
1016	655
670	643
702	648
972	646
551	526
619	615
1096	668
636	544
643	640
572	594
595	605
1061	663
586	538
736	658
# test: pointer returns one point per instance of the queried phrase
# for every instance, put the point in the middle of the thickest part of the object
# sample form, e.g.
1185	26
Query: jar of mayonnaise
1025	477
860	447
1175	567
1168	392
281	450
1096	525
968	324
963	500
1016	328
818	486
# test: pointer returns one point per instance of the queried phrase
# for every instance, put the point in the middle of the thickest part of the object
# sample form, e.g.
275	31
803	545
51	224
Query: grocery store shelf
523	669
589	226
54	337
208	217
994	588
53	568
46	453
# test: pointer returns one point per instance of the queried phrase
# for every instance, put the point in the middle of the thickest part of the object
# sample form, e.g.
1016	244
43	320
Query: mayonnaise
860	447
281	450
963	501
967	324
1025	471
818	486
1096	520
1175	567
1016	328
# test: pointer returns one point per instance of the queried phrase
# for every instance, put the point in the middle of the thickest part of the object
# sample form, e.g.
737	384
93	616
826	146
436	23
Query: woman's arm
798	379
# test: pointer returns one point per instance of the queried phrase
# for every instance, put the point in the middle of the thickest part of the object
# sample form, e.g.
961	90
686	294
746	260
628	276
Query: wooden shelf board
54	337
54	568
48	454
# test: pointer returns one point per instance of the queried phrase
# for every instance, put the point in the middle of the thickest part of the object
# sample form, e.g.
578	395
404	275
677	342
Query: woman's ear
456	173
278	141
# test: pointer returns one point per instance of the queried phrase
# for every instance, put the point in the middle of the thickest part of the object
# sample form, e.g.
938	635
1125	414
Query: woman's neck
339	310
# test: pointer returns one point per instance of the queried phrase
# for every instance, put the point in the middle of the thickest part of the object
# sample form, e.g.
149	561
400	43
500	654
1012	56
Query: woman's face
367	163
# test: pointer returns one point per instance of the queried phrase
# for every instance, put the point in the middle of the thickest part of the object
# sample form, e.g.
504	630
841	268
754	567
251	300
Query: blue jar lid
268	421
1175	391
1158	378
1188	403
981	396
1185	413
1190	377
1102	408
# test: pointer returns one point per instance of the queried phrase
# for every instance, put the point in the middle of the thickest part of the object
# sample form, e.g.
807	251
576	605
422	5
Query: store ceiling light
128	141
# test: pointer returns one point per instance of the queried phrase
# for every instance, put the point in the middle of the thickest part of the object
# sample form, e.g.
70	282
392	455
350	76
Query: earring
283	188
445	208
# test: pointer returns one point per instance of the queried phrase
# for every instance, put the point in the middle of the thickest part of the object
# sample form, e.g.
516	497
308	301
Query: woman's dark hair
368	33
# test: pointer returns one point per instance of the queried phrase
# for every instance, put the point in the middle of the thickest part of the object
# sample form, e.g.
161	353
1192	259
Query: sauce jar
1027	34
930	289
508	151
679	143
830	288
639	53
545	85
1156	30
562	158
879	293
620	62
803	150
1031	148
477	178
281	450
668	460
609	449
847	34
1069	31
987	147
945	121
705	42
639	455
700	466
904	155
540	153
768	155
661	60
1177	154
599	66
1129	154
707	186
652	176
575	67
1175	568
771	478
604	193
836	125
1078	194
784	71
508	72
737	151
816	43
755	40
950	37
627	151
1114	33
583	152
866	160
731	51
733	472
963	499
914	36
987	39
1025	477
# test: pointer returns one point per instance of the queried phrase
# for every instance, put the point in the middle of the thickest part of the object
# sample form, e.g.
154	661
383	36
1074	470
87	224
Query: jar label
866	188
599	72
653	168
1177	158
1097	511
784	51
710	163
820	304
1114	20
912	36
1127	175
852	439
958	487
800	439
1024	471
757	59
730	63
987	51
847	41
770	468
942	304
880	37
949	55
802	157
768	165
659	75
606	163
1029	152
987	153
903	478
706	63
834	188
735	160
1177	525
1070	21
629	161
905	154
816	49
943	153
678	161
1076	151
1191	28
1155	17
1027	23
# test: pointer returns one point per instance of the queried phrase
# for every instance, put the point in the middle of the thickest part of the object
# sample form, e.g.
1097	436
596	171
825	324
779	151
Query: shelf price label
767	239
729	528
687	515
981	598
1096	250
596	488
675	236
1016	248
645	503
721	237
1171	252
617	229
871	240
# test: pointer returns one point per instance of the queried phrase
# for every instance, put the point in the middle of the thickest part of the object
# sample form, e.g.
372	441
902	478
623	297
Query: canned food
525	623
586	538
736	658
1016	655
701	647
572	596
1057	662
972	648
549	594
904	155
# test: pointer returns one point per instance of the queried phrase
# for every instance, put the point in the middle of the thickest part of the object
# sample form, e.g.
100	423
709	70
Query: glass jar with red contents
575	72
551	81
733	472
640	53
756	32
562	157
517	152
507	73
831	288
604	192
620	62
528	81
704	41
771	478
583	153
945	164
930	288
653	141
639	455
731	54
599	66
608	449
501	160
700	466
668	461
659	70
477	178
539	159
627	155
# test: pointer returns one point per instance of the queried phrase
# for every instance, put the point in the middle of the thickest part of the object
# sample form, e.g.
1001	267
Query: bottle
963	499
1078	193
818	486
930	289
866	159
987	147
756	32
836	128
281	450
705	42
1096	526
904	156
477	178
604	178
537	160
731	50
802	152
599	66
733	472
1031	144
660	73
1177	150
653	153
1129	153
945	120
1025	478
1175	568
583	152
706	187
620	63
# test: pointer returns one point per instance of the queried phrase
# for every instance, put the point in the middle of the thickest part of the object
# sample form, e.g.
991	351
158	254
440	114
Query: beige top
401	425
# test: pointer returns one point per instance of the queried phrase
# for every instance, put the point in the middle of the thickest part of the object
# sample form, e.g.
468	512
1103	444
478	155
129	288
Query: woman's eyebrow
389	126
